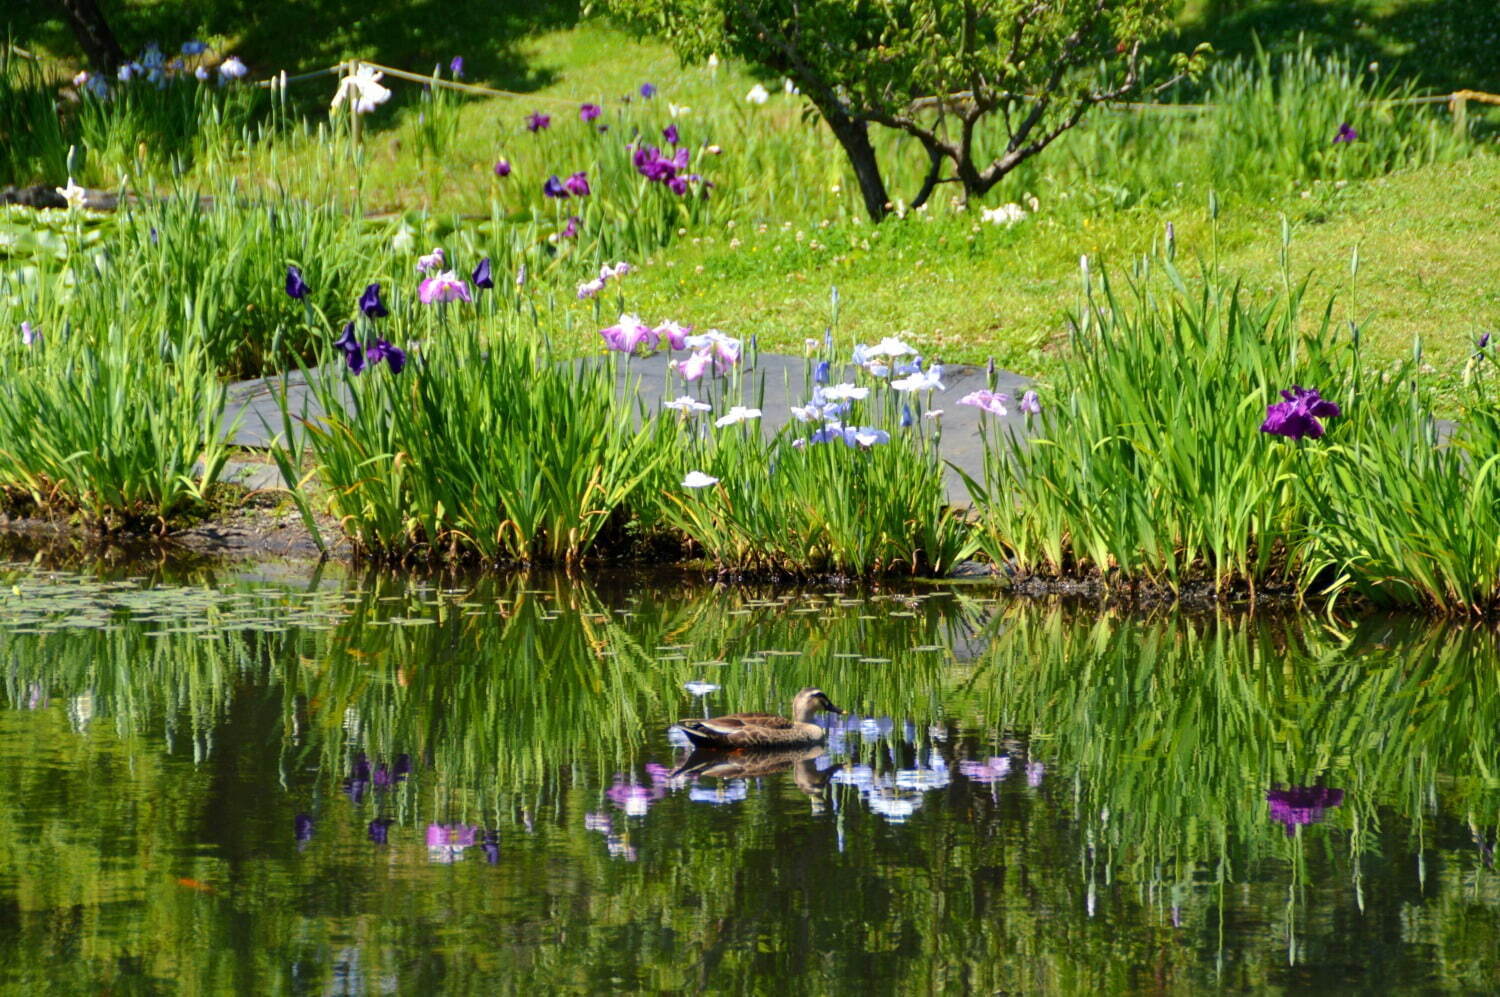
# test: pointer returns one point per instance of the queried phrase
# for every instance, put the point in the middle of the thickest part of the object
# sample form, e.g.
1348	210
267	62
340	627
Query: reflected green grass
1029	799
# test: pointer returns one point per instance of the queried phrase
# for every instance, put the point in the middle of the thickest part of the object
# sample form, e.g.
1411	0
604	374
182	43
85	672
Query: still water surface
211	782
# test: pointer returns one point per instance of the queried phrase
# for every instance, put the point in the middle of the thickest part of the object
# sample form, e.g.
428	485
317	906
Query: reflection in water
195	778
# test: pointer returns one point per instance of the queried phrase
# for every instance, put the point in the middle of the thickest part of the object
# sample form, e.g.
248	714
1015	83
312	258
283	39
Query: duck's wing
737	730
739	721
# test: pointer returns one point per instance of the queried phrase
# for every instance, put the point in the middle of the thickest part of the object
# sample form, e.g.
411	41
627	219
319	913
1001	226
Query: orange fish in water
193	884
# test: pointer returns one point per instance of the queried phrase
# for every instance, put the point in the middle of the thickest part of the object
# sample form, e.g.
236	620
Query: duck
763	730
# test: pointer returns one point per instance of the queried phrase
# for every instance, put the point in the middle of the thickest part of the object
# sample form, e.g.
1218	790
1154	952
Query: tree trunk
854	136
94	37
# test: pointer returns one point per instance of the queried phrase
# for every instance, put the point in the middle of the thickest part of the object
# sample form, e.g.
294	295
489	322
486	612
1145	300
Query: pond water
212	781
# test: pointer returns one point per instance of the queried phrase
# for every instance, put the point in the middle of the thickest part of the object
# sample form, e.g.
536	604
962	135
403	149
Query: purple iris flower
482	275
379	830
370	303
578	184
1302	804
302	827
570	230
820	372
354	354
502	168
588	112
1346	133
296	287
1298	414
456	67
394	356
906	417
1484	340
670	134
648	90
553	187
536	121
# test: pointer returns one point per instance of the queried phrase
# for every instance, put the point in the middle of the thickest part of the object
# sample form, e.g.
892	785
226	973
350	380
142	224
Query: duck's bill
833	709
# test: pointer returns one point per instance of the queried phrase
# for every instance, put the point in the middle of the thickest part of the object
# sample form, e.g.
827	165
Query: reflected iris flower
302	827
1302	804
698	687
1034	773
732	792
491	846
379	830
992	769
446	842
370	303
296	287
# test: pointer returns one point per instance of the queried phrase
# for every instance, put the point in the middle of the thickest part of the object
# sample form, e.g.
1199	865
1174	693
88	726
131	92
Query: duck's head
810	701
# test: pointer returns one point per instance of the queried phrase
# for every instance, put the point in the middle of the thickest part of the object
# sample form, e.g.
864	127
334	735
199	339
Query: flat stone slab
773	384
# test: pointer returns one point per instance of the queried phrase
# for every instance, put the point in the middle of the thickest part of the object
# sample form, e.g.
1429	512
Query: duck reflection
737	765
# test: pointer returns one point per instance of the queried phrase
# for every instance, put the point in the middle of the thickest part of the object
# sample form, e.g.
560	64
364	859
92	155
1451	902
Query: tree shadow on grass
273	35
1440	45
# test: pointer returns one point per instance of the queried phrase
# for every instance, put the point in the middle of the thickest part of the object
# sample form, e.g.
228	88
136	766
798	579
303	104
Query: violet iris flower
379	830
370	303
296	287
456	67
570	230
482	275
588	112
502	168
553	187
1483	341
1297	416
1302	804
578	184
394	356
491	846
670	134
354	354
536	121
648	90
820	372
1346	133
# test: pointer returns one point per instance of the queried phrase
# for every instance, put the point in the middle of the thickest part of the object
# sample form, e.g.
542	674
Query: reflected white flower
677	739
990	770
698	687
81	711
860	776
1034	773
874	728
598	822
922	779
731	792
893	807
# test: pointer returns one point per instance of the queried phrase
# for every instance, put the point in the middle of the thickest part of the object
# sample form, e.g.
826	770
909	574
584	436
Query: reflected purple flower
634	799
1302	804
991	770
446	842
491	847
598	822
302	828
379	830
1034	773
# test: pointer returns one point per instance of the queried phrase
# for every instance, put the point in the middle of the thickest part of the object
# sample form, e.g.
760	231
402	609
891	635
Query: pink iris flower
445	286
